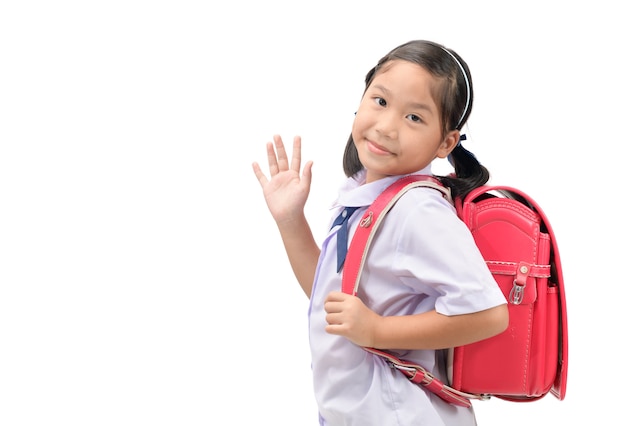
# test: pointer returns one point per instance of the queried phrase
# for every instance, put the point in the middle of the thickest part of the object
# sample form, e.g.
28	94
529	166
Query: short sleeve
436	254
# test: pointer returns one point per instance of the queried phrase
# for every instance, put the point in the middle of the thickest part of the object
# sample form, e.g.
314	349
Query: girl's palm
287	190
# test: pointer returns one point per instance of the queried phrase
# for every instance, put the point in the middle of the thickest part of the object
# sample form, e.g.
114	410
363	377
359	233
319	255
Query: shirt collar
354	192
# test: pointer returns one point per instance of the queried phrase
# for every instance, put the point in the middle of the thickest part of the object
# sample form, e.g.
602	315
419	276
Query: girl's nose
387	125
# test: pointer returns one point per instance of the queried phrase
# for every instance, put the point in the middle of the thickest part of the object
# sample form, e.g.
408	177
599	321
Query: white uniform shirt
422	258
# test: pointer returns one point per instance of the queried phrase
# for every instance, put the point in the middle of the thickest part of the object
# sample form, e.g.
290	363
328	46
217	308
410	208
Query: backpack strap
353	267
371	219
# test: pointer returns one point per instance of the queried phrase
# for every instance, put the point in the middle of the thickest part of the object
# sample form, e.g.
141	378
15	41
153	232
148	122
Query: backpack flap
529	359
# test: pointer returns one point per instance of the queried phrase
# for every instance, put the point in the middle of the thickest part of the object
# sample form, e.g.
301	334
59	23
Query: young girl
424	286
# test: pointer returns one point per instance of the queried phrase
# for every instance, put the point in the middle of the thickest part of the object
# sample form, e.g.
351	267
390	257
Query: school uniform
422	258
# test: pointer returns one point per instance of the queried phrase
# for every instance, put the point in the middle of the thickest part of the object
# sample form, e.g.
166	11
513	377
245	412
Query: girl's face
397	129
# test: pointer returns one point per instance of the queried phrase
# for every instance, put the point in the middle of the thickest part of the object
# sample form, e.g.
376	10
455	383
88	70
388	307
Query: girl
425	285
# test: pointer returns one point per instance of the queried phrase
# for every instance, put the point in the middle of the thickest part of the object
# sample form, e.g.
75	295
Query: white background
142	280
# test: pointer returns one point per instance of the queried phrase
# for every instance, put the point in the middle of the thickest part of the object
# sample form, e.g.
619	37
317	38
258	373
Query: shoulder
424	201
423	215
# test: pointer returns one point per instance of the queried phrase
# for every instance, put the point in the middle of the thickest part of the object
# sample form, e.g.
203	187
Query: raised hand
287	190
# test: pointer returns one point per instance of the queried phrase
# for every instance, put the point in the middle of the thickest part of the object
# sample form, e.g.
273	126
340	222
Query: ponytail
468	173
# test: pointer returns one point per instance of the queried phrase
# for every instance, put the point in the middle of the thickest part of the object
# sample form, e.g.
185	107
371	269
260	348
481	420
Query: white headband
466	82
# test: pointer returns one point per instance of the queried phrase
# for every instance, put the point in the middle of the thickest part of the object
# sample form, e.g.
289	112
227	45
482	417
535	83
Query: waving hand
286	191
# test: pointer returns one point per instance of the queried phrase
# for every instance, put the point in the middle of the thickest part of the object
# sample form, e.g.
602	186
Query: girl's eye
380	101
413	117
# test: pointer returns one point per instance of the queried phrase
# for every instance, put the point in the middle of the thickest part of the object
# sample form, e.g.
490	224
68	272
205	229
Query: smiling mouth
377	149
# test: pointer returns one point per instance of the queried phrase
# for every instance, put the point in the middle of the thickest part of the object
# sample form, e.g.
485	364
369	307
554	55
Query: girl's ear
448	143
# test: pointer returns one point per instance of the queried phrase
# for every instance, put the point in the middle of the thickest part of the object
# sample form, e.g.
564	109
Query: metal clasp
367	220
519	282
517	294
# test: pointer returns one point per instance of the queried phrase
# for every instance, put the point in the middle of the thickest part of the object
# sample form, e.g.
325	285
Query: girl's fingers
259	174
296	155
277	156
271	159
283	162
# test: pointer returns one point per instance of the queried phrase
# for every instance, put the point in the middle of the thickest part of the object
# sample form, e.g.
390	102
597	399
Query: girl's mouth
377	149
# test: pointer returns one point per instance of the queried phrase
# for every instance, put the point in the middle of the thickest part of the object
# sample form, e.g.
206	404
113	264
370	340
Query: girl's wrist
288	222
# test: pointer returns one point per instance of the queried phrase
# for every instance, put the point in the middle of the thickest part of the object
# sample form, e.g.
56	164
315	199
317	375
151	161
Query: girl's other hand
348	316
286	191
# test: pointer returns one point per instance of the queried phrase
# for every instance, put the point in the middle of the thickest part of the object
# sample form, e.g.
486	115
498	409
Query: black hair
455	96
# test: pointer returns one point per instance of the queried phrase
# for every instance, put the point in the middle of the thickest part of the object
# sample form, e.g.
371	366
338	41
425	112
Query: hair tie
463	137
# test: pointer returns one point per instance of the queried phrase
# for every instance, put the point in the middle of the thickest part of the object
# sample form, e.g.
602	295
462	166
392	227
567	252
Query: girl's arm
347	316
286	193
432	330
302	250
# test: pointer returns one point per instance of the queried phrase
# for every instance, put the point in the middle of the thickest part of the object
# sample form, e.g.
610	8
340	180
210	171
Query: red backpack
529	359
